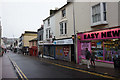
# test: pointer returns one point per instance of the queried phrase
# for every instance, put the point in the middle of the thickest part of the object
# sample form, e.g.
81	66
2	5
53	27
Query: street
29	67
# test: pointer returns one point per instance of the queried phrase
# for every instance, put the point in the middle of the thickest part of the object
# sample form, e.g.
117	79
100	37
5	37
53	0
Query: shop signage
104	34
64	41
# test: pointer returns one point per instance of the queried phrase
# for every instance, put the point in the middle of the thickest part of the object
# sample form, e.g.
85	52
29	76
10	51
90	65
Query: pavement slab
7	68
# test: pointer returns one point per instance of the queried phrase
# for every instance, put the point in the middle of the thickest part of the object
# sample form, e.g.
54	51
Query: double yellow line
19	71
96	74
23	77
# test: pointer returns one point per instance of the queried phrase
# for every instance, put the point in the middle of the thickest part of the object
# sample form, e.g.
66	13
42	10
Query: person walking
88	56
93	57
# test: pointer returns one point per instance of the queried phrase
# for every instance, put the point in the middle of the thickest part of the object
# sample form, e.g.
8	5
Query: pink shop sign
103	34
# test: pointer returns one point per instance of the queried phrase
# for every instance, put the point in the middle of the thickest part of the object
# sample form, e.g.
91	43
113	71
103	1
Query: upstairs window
48	22
96	16
63	13
48	33
40	37
99	14
63	28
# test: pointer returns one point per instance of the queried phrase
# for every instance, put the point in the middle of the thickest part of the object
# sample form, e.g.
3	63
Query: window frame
64	28
102	21
48	33
48	22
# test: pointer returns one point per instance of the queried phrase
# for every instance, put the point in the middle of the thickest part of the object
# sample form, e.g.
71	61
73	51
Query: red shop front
33	51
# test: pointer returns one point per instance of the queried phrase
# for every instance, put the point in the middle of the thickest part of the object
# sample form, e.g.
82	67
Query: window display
97	46
111	49
108	52
84	45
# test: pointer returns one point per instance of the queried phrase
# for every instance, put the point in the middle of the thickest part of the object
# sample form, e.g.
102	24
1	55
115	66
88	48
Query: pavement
98	69
6	69
0	68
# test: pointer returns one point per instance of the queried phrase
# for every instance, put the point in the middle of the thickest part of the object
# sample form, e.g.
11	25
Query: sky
18	16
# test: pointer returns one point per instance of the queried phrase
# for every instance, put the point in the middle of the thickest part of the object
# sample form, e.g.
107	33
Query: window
104	11
48	33
40	38
63	13
96	13
63	28
99	14
48	22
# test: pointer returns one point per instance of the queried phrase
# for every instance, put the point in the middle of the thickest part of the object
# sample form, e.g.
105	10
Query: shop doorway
72	54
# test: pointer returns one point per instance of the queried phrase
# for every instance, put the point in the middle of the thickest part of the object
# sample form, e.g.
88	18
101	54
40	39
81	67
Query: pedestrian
93	57
39	53
88	56
80	60
5	50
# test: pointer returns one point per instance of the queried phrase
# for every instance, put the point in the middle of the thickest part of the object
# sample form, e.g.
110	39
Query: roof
57	10
41	28
35	39
31	32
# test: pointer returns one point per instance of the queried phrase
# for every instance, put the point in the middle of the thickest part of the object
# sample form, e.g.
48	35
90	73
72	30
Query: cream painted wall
28	38
112	14
119	13
83	15
68	18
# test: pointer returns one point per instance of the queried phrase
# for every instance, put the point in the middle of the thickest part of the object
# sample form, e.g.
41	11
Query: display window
111	49
106	50
85	45
97	47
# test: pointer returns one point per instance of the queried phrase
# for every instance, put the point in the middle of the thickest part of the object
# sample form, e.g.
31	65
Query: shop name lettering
115	33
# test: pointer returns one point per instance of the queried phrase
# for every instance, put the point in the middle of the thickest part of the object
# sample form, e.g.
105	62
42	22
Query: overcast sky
25	15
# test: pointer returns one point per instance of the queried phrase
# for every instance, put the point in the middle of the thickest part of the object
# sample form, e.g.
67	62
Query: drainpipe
74	33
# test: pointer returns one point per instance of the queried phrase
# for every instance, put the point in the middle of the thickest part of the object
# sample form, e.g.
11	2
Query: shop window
111	49
97	47
84	45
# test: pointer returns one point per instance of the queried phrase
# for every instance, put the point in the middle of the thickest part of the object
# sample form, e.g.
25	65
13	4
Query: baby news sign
103	34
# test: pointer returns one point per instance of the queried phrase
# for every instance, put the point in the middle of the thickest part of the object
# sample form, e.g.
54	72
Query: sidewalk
7	68
0	67
98	69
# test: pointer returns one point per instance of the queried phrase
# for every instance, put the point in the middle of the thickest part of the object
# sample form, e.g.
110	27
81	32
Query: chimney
53	11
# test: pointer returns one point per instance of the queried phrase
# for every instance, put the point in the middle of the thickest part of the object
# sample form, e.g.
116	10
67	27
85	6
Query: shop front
64	49
33	51
49	50
105	43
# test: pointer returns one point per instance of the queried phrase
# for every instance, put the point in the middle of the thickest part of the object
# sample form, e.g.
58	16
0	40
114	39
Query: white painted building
49	29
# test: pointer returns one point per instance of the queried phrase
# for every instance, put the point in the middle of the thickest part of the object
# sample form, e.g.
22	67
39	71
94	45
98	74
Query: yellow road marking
18	69
21	72
105	76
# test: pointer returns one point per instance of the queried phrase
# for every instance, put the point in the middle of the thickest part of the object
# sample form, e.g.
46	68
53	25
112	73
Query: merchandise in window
97	47
111	49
